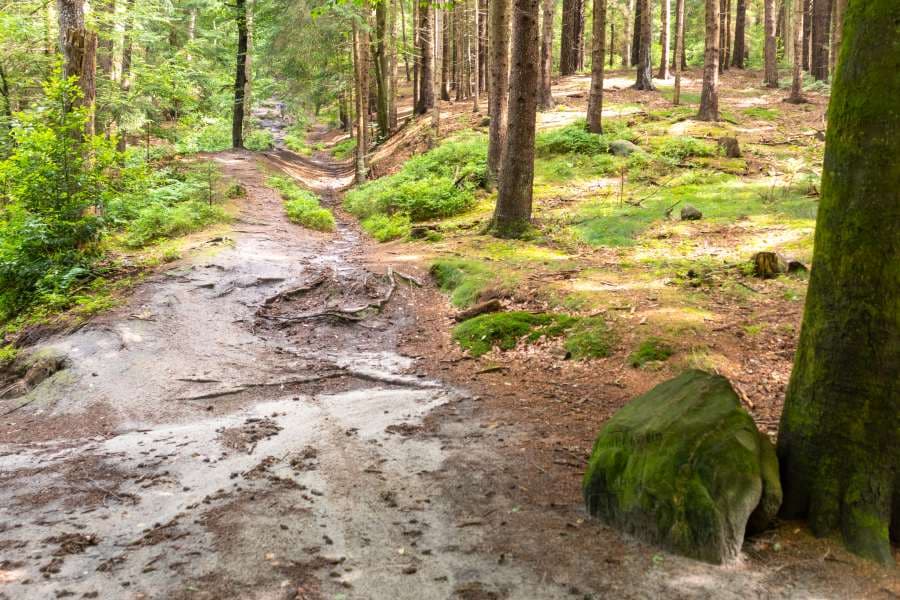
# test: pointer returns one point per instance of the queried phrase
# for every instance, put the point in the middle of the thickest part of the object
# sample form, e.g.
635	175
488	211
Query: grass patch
504	330
259	140
344	149
761	114
650	350
302	206
589	338
465	279
668	92
160	221
571	139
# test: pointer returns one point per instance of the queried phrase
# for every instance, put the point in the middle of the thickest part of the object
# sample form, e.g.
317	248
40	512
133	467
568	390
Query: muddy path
248	427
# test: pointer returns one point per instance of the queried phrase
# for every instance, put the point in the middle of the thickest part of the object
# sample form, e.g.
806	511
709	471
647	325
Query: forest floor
214	438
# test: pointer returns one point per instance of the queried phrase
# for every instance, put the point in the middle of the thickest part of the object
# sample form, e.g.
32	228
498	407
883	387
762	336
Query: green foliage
296	143
651	349
344	149
54	183
762	114
7	354
677	149
211	135
259	140
302	206
571	139
160	220
504	330
385	228
440	183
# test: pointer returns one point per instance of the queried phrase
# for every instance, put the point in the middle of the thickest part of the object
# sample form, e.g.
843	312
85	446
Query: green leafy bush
302	206
385	228
259	140
211	135
160	221
297	144
344	149
439	183
571	139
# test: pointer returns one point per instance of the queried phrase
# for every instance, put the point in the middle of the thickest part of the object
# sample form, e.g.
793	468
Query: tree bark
361	95
567	41
679	50
425	33
79	50
476	63
382	69
248	68
627	34
579	35
709	96
798	20
612	42
512	215
807	32
723	62
545	98
445	52
598	49
821	43
499	12
770	49
644	79
839	444
438	57
837	26
665	7
636	33
739	52
240	78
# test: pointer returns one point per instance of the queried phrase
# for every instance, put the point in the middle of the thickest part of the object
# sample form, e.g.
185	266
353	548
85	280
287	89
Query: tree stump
730	147
767	265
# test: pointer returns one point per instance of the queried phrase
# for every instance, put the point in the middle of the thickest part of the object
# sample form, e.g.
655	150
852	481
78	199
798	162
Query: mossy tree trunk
839	445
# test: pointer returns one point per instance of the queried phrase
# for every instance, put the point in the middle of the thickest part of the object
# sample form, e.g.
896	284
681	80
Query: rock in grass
691	213
622	148
684	466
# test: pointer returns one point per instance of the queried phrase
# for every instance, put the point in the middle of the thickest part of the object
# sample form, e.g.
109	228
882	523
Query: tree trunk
403	39
598	49
499	11
512	215
545	97
612	42
79	50
679	50
579	35
821	44
723	9
627	34
361	95
446	55
482	44
739	53
417	56
709	96
426	60
770	49
567	42
6	107
248	68
807	32
382	69
457	31
644	79
125	69
665	7
105	45
438	57
839	444
798	20
393	64
837	26
240	78
636	33
476	63
727	34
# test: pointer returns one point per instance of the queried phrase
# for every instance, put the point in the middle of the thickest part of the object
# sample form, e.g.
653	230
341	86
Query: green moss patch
465	279
589	338
504	330
650	350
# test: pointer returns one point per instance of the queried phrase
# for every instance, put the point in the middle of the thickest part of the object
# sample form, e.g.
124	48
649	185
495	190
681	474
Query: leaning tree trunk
821	44
798	19
79	51
709	96
598	49
739	51
545	96
665	7
644	79
240	78
679	49
512	214
839	443
770	49
498	85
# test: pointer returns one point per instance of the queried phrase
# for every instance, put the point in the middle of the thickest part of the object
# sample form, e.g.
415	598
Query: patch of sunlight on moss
518	251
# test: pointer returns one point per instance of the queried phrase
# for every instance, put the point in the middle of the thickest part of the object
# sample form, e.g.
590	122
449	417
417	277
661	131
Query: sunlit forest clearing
483	299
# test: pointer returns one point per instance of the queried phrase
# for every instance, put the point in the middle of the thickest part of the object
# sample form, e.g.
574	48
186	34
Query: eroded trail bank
246	427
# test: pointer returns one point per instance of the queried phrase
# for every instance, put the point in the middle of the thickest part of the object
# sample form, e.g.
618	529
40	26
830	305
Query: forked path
245	427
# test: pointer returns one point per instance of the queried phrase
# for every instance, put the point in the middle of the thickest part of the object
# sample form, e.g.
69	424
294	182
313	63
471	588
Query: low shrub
571	139
385	228
344	149
302	206
259	140
676	149
160	221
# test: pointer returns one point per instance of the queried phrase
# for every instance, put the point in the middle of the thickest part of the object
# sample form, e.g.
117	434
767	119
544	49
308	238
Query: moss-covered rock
684	466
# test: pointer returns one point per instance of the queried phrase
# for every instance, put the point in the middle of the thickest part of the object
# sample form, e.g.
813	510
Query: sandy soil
215	439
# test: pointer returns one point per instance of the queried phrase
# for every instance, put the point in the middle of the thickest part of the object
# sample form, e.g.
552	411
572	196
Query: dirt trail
214	439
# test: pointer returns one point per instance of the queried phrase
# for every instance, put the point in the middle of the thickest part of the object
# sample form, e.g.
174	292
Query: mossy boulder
623	148
684	466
